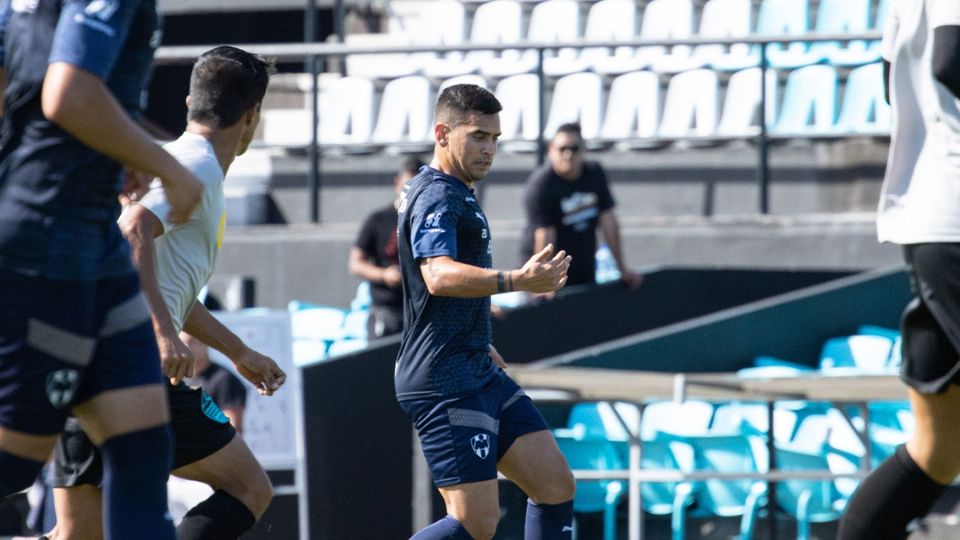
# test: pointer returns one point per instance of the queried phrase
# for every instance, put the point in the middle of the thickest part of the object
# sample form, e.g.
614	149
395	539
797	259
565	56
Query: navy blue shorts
65	342
463	437
930	325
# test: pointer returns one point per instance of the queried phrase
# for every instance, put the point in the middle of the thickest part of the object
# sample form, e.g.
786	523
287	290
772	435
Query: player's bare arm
140	227
259	369
81	104
544	272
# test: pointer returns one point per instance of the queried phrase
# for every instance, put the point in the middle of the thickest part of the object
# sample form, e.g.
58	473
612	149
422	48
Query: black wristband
510	281
500	286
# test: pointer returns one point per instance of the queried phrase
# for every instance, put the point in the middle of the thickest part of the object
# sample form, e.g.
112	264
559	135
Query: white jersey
186	253
920	198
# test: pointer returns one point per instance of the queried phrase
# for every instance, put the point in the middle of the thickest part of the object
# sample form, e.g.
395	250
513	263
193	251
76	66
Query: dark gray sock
893	495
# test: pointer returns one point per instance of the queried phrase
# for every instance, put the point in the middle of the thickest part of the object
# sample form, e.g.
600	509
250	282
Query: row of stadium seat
729	437
637	109
444	23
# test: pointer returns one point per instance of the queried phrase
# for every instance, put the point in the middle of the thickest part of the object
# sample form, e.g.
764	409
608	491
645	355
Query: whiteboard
272	426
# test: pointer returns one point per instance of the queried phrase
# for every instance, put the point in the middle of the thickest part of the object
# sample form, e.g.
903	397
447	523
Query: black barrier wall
790	327
582	317
359	442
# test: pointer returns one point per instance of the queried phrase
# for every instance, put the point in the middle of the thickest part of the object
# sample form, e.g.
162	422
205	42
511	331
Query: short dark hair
571	128
458	100
411	165
224	84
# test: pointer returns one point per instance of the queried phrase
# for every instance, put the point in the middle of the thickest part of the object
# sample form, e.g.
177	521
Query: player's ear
187	101
440	132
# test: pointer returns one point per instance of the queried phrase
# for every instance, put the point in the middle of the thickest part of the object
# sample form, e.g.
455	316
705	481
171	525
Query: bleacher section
624	96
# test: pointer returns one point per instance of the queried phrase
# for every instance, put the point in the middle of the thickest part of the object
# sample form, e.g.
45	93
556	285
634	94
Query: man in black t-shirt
566	200
374	258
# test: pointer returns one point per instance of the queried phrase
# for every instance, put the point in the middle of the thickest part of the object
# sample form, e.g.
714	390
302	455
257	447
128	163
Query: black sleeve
946	57
367	239
605	199
538	202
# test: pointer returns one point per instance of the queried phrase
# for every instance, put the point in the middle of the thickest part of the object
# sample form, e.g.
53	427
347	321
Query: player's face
566	155
472	145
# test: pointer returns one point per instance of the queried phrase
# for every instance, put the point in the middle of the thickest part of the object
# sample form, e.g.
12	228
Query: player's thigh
127	410
536	465
935	442
79	513
26	445
235	470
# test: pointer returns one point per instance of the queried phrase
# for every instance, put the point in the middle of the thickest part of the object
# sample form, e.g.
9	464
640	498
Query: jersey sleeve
433	231
91	33
943	13
156	202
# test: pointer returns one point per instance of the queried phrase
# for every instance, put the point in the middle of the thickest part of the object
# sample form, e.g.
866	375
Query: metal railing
313	53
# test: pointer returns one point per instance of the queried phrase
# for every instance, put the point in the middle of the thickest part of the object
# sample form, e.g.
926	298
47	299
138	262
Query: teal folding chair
595	495
722	498
807	501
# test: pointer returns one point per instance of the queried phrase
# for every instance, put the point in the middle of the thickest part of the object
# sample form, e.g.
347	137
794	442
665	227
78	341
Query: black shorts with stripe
930	324
199	430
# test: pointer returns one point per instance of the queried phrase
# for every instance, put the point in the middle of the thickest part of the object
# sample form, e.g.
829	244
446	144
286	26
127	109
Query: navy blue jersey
445	349
58	198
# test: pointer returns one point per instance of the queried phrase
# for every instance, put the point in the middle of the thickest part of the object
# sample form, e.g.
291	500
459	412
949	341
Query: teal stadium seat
723	498
595	495
807	501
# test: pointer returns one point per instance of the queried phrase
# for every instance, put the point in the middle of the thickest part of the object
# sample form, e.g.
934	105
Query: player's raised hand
260	370
545	271
183	192
176	359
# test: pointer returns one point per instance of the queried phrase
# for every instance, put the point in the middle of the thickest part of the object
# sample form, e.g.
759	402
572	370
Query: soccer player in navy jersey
472	419
75	331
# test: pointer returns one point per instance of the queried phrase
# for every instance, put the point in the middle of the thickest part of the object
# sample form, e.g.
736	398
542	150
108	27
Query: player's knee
559	488
255	491
261	495
481	526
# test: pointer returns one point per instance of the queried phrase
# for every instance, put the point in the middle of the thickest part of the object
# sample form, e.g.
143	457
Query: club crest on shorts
61	386
481	445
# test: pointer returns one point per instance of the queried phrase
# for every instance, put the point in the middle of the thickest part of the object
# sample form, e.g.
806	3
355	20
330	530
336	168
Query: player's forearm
145	261
447	277
82	105
202	325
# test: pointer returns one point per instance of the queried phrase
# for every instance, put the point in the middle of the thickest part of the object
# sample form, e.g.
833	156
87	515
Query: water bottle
606	265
